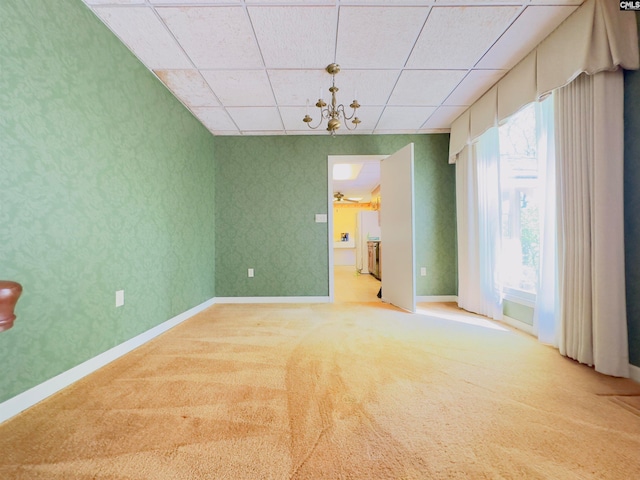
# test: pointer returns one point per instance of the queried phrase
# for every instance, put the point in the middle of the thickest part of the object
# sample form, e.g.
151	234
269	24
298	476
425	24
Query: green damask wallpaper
269	188
106	183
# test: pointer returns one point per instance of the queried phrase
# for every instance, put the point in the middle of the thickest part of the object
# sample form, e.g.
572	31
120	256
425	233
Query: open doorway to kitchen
395	221
353	225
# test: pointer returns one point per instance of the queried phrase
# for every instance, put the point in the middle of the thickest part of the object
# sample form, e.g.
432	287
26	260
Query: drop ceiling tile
259	118
425	87
558	2
474	85
219	35
281	2
359	131
524	35
240	88
214	118
443	117
143	32
406	131
295	37
262	133
473	3
188	86
457	37
191	2
378	37
319	132
214	36
387	2
114	2
370	87
404	118
295	87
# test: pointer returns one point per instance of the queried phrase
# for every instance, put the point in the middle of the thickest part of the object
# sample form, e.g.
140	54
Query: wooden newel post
9	294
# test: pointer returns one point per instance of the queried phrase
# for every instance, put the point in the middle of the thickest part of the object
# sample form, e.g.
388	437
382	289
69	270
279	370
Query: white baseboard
24	400
512	322
437	298
220	300
634	373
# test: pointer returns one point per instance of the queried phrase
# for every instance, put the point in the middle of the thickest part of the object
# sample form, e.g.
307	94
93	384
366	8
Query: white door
397	226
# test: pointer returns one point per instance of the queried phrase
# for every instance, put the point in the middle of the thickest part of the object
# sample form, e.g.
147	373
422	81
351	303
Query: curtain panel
467	228
478	221
547	308
590	225
596	37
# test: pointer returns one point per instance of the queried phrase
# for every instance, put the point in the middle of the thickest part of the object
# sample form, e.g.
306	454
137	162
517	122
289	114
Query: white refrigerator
367	229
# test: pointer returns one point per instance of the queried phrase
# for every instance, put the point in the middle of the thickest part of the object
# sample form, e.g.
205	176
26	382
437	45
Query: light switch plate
119	298
321	218
423	271
250	273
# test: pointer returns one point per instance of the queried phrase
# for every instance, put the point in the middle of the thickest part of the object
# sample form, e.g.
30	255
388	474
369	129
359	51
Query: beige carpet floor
344	391
351	286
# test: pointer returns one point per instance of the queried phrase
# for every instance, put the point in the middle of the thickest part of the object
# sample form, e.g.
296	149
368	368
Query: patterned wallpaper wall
269	188
632	206
106	183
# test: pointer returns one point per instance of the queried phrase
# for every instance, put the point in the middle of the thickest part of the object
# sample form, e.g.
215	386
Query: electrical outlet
119	298
250	273
423	271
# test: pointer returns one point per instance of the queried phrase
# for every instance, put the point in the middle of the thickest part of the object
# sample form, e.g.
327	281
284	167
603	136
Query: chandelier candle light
333	112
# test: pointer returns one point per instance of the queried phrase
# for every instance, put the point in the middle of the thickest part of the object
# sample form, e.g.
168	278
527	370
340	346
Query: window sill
520	297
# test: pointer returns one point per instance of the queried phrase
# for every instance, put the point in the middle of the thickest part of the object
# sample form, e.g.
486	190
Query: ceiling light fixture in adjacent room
346	171
333	112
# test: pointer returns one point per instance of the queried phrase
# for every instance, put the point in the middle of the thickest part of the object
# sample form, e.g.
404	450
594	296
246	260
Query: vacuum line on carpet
308	455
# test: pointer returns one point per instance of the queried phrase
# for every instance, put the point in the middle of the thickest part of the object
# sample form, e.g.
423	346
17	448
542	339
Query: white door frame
331	160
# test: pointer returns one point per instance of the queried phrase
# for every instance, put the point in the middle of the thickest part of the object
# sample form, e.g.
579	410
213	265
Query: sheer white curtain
546	309
478	217
489	217
589	179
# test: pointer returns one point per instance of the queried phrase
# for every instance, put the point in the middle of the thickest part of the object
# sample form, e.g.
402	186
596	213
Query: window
520	250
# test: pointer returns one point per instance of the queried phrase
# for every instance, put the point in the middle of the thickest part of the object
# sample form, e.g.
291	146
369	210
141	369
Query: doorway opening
396	220
353	188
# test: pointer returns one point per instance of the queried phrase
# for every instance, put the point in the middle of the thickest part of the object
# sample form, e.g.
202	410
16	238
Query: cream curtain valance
596	37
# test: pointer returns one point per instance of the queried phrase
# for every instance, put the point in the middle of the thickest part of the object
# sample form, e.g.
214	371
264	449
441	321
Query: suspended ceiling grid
249	67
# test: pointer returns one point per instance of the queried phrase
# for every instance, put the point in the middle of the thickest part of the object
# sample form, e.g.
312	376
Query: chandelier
334	113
